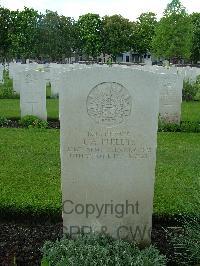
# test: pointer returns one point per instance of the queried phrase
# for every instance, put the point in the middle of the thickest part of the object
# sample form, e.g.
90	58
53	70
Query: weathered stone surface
108	151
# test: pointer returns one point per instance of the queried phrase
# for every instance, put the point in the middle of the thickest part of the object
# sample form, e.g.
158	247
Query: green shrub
93	249
3	121
197	87
31	121
6	89
7	92
185	126
168	127
187	244
189	90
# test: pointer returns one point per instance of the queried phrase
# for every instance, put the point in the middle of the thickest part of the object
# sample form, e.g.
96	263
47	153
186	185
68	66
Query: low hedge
186	244
101	250
185	126
30	121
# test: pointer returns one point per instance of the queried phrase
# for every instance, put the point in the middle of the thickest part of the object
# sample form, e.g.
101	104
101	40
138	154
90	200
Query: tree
174	7
117	35
23	32
195	53
173	35
5	25
145	30
55	39
90	30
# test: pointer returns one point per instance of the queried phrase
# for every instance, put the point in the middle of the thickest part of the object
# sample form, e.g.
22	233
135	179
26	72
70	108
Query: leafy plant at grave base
3	121
187	244
30	121
7	93
189	90
167	127
185	126
94	249
197	86
6	89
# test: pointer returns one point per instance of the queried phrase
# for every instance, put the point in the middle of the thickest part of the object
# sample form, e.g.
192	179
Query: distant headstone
108	151
33	94
148	62
14	73
170	98
1	73
166	64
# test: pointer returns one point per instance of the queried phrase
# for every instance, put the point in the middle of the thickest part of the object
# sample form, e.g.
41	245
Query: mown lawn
190	111
10	108
30	172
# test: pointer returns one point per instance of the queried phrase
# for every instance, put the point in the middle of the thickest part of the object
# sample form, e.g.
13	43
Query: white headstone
33	94
170	98
1	73
14	72
171	84
108	151
148	62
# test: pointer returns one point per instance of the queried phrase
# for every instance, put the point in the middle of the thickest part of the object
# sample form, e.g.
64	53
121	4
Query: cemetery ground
30	200
10	108
30	173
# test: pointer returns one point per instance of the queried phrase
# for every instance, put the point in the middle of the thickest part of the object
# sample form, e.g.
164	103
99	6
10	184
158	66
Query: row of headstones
33	100
30	81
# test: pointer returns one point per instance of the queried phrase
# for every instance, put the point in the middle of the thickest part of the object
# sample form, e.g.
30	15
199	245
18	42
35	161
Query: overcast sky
74	8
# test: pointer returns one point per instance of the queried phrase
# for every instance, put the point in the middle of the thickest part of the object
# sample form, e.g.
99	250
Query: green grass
53	108
190	111
177	185
11	108
30	172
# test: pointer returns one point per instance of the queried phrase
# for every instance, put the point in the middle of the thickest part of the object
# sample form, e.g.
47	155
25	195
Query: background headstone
33	94
170	98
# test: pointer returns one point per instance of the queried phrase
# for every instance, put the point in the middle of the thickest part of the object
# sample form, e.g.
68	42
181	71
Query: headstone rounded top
109	103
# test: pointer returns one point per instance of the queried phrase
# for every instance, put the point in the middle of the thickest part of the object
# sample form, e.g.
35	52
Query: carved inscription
109	103
108	145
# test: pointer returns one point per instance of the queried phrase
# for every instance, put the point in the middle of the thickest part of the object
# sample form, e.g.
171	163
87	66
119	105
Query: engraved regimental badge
109	103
